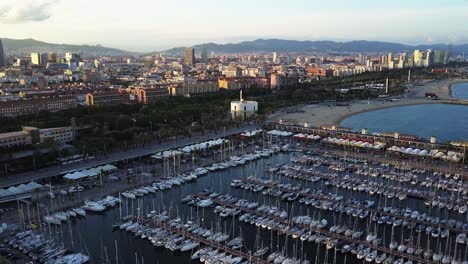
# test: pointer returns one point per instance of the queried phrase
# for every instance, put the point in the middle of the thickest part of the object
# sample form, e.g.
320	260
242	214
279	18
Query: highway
44	173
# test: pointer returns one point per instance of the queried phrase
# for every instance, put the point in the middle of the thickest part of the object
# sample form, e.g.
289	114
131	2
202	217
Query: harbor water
95	236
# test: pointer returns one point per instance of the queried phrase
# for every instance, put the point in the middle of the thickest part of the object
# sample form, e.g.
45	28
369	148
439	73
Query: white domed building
243	109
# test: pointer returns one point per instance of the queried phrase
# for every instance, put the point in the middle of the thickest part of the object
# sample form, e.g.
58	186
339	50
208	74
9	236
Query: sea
446	122
460	90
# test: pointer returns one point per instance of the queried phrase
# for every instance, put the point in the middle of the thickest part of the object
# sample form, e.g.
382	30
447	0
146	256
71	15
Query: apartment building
33	135
35	105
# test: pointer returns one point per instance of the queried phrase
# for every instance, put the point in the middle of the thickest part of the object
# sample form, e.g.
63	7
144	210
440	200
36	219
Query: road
44	173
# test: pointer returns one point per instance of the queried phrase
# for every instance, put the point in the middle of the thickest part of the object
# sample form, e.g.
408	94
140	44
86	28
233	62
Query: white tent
279	133
423	152
252	133
23	188
4	193
109	167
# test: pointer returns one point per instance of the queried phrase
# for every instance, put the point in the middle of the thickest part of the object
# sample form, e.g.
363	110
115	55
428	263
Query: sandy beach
330	114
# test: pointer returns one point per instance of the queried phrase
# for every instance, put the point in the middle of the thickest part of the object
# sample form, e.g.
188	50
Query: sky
152	25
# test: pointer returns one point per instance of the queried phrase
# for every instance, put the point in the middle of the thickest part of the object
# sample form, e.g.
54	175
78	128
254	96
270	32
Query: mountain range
26	46
281	45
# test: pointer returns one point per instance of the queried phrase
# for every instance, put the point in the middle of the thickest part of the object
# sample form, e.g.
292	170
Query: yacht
261	252
79	211
94	206
50	219
200	252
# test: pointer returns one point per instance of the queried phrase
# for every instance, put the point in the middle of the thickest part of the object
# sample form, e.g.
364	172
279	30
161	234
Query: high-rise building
275	57
52	57
2	55
44	58
204	55
36	58
360	58
417	58
429	59
72	58
39	58
189	56
439	56
384	60
403	57
449	51
401	64
390	57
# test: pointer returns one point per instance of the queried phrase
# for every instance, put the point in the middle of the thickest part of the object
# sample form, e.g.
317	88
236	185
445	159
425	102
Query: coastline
457	81
317	115
339	120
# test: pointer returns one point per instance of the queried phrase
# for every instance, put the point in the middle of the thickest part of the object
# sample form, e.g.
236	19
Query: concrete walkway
44	173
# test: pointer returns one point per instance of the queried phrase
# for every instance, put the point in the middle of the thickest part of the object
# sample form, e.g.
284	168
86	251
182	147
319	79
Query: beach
330	113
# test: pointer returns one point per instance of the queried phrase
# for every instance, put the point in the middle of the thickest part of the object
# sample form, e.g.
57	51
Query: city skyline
159	25
2	55
313	131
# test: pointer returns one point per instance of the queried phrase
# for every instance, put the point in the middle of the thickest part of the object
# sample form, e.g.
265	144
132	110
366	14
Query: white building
242	109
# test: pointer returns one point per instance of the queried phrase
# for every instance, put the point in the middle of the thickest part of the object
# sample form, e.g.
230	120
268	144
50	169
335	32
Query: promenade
16	179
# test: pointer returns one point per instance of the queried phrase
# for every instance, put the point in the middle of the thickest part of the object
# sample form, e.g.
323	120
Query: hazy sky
148	25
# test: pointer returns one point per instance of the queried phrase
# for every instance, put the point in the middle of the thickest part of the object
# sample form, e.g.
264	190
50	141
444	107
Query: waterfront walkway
45	173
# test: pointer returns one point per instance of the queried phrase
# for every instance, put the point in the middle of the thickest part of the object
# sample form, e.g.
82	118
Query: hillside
279	45
26	46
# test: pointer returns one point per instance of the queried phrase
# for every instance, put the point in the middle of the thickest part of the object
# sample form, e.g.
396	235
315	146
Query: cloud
22	11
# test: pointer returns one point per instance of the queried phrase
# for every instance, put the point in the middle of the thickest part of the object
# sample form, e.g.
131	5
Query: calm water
460	90
94	235
446	122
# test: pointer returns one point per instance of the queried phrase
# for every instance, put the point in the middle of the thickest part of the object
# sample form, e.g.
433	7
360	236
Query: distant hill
26	46
280	45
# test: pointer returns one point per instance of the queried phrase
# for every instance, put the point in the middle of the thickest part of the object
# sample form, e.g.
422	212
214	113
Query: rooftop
12	134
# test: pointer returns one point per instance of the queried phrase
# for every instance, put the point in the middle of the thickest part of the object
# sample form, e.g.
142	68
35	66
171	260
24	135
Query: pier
180	231
419	143
362	207
420	195
321	231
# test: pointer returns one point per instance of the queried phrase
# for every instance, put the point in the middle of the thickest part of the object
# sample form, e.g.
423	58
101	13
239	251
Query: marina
160	132
282	200
305	228
157	230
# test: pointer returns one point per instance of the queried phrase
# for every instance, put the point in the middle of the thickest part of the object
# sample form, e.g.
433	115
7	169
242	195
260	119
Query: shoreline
321	114
448	102
453	83
339	120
